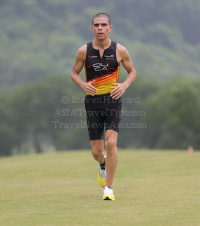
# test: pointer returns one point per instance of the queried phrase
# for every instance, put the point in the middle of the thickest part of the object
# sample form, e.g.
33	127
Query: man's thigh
95	120
113	116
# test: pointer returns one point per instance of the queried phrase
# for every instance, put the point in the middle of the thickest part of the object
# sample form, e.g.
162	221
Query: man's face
101	28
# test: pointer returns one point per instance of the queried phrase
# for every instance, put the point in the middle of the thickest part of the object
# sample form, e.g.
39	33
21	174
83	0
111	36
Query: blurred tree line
49	115
39	38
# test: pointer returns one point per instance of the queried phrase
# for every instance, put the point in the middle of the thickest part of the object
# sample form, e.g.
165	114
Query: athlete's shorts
103	113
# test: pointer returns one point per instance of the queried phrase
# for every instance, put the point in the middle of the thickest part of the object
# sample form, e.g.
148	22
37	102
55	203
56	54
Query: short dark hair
99	15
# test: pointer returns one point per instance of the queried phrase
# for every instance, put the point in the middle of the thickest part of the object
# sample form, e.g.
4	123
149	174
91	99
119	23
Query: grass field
151	188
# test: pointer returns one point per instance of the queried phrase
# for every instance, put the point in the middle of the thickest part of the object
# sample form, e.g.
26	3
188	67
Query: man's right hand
89	89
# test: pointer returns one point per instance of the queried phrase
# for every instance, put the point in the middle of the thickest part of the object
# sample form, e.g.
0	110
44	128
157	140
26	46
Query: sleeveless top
104	71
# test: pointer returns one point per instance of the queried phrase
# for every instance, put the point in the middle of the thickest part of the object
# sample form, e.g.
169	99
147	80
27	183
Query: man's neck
101	44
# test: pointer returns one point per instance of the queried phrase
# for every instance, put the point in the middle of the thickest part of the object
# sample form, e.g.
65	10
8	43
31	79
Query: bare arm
77	67
124	57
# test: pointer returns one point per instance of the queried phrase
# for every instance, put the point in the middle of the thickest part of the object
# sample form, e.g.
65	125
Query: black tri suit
103	111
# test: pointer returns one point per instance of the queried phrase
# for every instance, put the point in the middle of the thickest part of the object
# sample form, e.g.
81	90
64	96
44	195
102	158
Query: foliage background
38	43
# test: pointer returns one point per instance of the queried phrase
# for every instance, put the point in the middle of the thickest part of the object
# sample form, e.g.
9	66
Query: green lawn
151	188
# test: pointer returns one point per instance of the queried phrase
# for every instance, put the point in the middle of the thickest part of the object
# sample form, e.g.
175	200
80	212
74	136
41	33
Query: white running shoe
102	174
108	194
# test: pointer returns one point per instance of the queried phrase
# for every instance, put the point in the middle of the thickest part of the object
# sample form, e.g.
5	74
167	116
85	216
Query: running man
101	59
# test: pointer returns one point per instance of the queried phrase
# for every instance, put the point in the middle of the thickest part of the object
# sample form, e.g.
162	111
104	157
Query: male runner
101	59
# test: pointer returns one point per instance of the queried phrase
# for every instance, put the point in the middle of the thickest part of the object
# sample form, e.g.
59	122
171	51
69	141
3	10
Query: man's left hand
118	91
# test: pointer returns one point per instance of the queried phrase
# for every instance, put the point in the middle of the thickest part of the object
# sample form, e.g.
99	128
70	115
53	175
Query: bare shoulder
81	53
122	52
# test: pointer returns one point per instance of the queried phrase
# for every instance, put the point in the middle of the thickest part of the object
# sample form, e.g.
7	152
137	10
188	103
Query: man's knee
110	145
111	140
97	148
96	152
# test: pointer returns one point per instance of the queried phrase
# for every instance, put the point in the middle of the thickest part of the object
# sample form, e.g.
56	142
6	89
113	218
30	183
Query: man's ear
92	28
110	28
